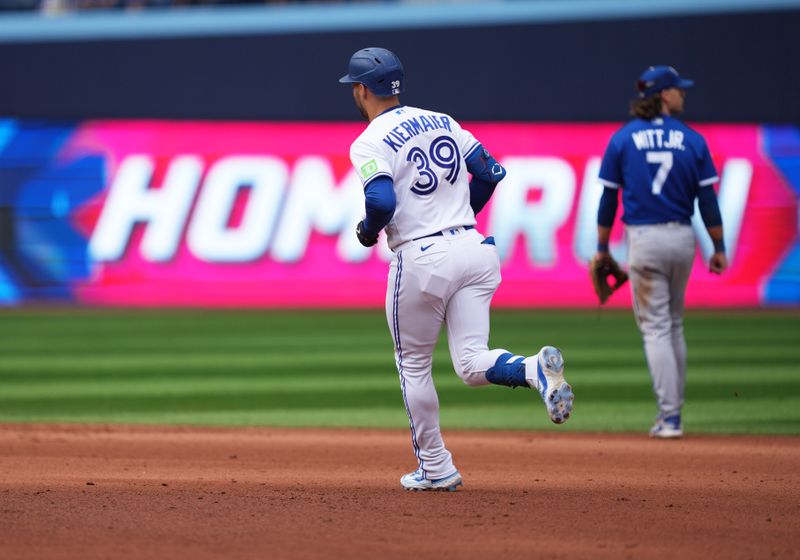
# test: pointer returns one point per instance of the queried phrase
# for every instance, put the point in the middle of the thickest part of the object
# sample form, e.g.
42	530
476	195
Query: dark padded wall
745	66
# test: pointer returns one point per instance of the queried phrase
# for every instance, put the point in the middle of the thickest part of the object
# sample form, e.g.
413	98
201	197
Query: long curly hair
646	108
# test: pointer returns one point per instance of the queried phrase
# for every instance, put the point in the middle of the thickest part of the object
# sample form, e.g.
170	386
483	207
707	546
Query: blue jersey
660	166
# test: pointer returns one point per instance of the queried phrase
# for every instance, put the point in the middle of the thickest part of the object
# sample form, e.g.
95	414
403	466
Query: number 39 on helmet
378	69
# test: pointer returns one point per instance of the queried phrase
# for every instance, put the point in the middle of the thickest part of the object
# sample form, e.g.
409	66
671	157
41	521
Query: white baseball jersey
423	152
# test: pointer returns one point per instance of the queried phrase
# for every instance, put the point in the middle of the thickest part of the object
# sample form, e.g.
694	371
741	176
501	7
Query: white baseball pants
449	279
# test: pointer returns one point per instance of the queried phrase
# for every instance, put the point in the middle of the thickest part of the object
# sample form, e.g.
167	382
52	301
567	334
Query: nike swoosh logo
427	247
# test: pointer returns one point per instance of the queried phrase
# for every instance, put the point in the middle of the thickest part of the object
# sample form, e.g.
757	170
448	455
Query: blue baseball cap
377	68
657	78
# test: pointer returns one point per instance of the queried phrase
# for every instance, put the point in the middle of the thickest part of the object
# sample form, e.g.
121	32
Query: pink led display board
233	214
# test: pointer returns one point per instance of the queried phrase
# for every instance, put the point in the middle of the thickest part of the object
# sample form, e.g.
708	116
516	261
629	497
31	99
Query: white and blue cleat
416	481
667	428
555	391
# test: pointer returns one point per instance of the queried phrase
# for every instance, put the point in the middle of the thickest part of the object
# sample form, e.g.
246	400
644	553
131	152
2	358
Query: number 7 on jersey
664	159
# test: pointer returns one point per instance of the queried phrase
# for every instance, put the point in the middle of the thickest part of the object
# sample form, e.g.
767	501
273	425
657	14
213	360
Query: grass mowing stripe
333	368
77	344
618	385
335	358
194	385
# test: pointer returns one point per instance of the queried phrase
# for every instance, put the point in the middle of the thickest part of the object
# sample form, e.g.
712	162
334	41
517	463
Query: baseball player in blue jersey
414	166
661	165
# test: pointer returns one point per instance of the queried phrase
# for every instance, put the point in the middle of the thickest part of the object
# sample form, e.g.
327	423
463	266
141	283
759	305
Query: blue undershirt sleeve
480	192
709	208
608	207
486	173
380	203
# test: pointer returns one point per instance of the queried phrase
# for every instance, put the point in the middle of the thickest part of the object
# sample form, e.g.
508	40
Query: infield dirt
88	492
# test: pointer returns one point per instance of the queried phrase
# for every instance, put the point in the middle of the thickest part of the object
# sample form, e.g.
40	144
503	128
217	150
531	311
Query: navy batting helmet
378	69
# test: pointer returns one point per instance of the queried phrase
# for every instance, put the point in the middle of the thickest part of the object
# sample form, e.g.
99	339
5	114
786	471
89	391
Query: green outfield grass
302	368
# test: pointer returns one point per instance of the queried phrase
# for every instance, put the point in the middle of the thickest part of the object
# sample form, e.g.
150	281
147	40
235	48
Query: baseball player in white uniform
414	165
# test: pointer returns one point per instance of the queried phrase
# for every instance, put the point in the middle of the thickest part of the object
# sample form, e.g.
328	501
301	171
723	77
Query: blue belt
439	233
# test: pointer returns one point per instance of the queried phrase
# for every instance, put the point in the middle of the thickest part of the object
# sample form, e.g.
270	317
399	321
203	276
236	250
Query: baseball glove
600	269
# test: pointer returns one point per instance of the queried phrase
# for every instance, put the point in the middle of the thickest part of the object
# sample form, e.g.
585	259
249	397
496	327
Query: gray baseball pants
660	258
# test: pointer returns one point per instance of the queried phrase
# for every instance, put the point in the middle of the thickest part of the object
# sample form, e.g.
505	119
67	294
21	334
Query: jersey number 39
443	152
664	159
